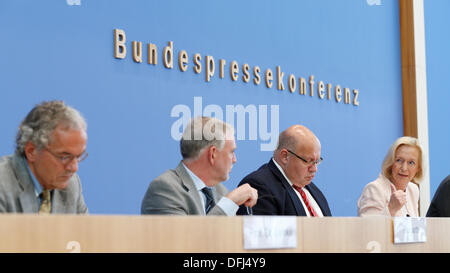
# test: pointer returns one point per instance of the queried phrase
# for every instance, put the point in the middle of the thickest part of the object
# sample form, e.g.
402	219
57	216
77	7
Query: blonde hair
389	159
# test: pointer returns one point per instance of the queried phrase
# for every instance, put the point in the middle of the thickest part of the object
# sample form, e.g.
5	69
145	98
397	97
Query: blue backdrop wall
65	50
438	69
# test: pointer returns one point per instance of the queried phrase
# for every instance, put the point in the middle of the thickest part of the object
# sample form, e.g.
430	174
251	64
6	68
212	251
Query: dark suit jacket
276	196
440	205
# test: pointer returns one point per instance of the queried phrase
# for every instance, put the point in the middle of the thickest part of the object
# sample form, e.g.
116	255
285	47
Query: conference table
199	234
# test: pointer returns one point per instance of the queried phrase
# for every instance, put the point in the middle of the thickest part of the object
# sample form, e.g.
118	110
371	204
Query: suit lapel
27	197
219	191
293	196
28	200
189	186
318	198
58	201
314	194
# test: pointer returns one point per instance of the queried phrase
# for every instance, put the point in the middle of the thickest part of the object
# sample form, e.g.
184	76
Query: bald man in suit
285	184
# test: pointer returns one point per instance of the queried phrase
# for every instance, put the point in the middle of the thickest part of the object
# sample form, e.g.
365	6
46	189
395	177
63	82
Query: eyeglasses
66	159
308	163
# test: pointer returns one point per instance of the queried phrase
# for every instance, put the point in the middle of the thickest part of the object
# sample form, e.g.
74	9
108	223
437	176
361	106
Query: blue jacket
276	196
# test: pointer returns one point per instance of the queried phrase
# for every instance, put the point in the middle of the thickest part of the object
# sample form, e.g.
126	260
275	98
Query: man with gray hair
193	188
41	175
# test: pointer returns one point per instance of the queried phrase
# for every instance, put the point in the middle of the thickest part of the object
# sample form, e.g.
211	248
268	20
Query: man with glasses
285	184
41	176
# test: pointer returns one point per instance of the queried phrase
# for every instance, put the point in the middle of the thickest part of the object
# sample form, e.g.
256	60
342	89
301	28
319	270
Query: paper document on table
268	232
410	230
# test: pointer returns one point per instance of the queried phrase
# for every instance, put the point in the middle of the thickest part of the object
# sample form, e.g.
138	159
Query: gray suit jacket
174	192
17	194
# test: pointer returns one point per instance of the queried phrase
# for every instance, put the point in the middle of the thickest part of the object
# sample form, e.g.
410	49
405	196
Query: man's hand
244	194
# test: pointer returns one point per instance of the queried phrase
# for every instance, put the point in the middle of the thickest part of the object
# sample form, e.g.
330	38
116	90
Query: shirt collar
199	184
37	186
282	172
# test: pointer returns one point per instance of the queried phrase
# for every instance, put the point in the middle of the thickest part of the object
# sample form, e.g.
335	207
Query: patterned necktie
308	206
46	205
209	199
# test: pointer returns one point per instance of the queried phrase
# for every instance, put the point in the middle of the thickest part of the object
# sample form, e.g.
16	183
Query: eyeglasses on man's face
308	163
67	158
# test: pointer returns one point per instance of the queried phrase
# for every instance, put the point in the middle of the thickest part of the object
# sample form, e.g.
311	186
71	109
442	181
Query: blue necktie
209	199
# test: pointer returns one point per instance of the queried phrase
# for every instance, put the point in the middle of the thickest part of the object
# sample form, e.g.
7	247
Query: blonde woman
395	192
